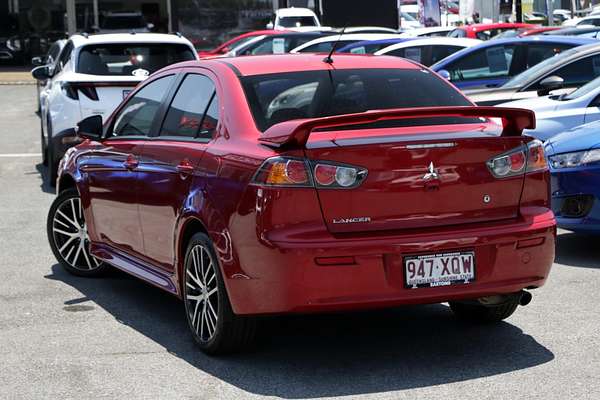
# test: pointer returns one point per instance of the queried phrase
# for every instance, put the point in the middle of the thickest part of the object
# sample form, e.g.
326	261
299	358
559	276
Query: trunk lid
417	178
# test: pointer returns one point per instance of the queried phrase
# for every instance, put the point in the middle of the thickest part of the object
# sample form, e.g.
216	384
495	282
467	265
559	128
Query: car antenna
328	59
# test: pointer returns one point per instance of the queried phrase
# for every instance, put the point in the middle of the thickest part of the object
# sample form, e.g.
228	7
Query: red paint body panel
277	247
231	43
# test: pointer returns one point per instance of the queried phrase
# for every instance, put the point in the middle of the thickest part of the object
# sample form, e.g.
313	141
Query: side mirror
270	25
37	61
225	50
549	84
90	128
444	74
41	73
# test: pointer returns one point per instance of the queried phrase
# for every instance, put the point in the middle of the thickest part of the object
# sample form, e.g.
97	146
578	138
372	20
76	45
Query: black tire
485	314
231	332
73	256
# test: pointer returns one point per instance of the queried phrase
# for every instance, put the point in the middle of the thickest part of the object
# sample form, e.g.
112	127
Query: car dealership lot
116	337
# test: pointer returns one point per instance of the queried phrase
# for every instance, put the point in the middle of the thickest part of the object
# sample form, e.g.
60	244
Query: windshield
582	91
295	22
276	98
408	16
137	59
523	78
123	22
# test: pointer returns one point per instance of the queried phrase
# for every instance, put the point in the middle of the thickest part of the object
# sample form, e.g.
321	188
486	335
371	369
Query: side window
578	72
136	117
267	46
65	56
491	62
458	33
193	112
440	52
537	53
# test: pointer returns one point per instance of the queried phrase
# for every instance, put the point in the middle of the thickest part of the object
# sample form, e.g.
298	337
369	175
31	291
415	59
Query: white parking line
16	155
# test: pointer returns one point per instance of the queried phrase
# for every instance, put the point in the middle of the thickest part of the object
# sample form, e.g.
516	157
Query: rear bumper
302	276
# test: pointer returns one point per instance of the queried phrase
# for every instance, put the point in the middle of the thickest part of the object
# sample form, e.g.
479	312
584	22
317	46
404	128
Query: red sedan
236	41
488	31
294	184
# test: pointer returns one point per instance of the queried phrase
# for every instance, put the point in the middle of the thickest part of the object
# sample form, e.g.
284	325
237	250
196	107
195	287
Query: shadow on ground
324	355
45	181
578	250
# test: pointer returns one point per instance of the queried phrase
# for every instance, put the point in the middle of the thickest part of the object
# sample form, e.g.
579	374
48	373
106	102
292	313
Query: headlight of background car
570	160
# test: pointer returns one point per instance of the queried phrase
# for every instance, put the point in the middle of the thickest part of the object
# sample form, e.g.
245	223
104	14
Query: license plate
441	269
126	93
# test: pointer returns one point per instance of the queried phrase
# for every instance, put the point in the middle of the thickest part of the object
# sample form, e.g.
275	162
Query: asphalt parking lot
116	337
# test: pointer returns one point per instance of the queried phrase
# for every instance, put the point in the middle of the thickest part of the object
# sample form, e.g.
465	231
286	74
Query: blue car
371	46
494	62
574	160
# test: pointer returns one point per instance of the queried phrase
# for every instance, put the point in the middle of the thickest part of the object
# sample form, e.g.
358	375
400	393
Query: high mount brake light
524	159
297	172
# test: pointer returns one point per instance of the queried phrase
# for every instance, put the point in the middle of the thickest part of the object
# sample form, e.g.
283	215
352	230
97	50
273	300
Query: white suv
93	75
295	19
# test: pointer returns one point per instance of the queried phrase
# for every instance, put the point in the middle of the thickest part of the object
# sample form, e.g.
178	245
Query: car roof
443	41
382	41
82	40
353	36
566	31
281	63
295	12
497	25
577	41
429	29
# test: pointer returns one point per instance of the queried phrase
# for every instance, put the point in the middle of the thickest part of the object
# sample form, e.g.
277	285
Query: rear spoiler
295	133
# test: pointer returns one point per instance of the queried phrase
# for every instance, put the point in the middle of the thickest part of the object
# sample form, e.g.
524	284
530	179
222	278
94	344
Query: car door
574	74
170	160
53	101
112	169
487	67
592	112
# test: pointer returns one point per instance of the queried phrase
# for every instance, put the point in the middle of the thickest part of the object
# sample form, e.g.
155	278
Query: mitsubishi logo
431	173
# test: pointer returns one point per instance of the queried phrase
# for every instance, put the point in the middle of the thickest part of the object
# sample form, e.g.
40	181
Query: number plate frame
438	280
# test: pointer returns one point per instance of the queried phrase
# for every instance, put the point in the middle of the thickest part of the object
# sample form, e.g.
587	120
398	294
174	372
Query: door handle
185	167
131	162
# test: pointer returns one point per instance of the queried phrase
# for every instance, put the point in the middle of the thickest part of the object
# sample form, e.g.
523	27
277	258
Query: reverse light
287	171
536	157
575	159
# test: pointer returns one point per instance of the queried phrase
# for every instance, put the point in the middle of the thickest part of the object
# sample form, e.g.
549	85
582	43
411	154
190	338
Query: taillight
71	90
297	172
525	159
536	157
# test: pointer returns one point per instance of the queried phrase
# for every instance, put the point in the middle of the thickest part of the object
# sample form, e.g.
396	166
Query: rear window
276	98
130	59
296	22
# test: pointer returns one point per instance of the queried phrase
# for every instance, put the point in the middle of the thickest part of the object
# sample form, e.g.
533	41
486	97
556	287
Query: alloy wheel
70	235
201	293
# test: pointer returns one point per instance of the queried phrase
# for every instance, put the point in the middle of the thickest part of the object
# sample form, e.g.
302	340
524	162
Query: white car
428	51
433	31
93	75
558	113
296	19
325	44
